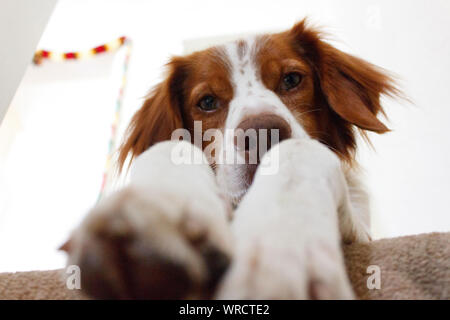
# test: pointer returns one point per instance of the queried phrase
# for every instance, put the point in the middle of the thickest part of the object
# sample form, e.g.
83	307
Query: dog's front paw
263	271
132	247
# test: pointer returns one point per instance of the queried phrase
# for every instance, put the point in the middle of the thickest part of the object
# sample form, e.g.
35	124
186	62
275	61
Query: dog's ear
351	86
158	117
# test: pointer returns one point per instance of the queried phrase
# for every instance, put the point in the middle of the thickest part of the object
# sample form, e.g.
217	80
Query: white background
408	173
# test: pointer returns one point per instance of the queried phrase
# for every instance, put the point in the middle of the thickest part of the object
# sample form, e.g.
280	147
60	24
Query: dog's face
291	81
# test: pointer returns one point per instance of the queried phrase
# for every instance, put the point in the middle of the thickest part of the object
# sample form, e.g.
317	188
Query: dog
229	230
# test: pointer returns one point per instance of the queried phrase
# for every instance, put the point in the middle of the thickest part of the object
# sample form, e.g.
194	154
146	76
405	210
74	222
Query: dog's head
291	81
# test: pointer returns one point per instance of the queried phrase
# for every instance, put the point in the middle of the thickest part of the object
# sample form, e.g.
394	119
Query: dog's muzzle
255	135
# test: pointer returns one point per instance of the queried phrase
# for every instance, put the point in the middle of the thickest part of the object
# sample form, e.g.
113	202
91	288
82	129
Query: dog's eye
208	103
291	80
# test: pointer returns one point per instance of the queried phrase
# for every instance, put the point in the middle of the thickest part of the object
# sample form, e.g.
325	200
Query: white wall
21	25
408	173
53	148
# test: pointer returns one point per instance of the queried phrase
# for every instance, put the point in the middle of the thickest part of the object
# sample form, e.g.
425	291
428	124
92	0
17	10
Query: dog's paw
132	247
263	271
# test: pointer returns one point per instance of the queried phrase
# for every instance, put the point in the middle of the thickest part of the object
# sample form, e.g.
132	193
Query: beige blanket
412	267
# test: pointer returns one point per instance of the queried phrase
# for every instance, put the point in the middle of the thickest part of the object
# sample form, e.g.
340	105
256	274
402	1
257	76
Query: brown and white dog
172	232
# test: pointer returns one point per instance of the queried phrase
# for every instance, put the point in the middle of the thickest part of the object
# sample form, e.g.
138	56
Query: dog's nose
268	130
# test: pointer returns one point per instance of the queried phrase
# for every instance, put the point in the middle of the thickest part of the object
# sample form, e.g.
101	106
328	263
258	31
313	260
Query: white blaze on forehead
244	73
250	95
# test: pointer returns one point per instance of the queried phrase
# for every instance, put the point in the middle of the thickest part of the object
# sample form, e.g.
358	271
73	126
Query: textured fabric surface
411	267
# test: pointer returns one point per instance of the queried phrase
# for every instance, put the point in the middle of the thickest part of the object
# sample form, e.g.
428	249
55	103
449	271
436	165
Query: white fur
290	223
286	229
250	98
164	212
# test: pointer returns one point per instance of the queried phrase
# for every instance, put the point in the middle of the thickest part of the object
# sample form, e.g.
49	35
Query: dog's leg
164	236
288	229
